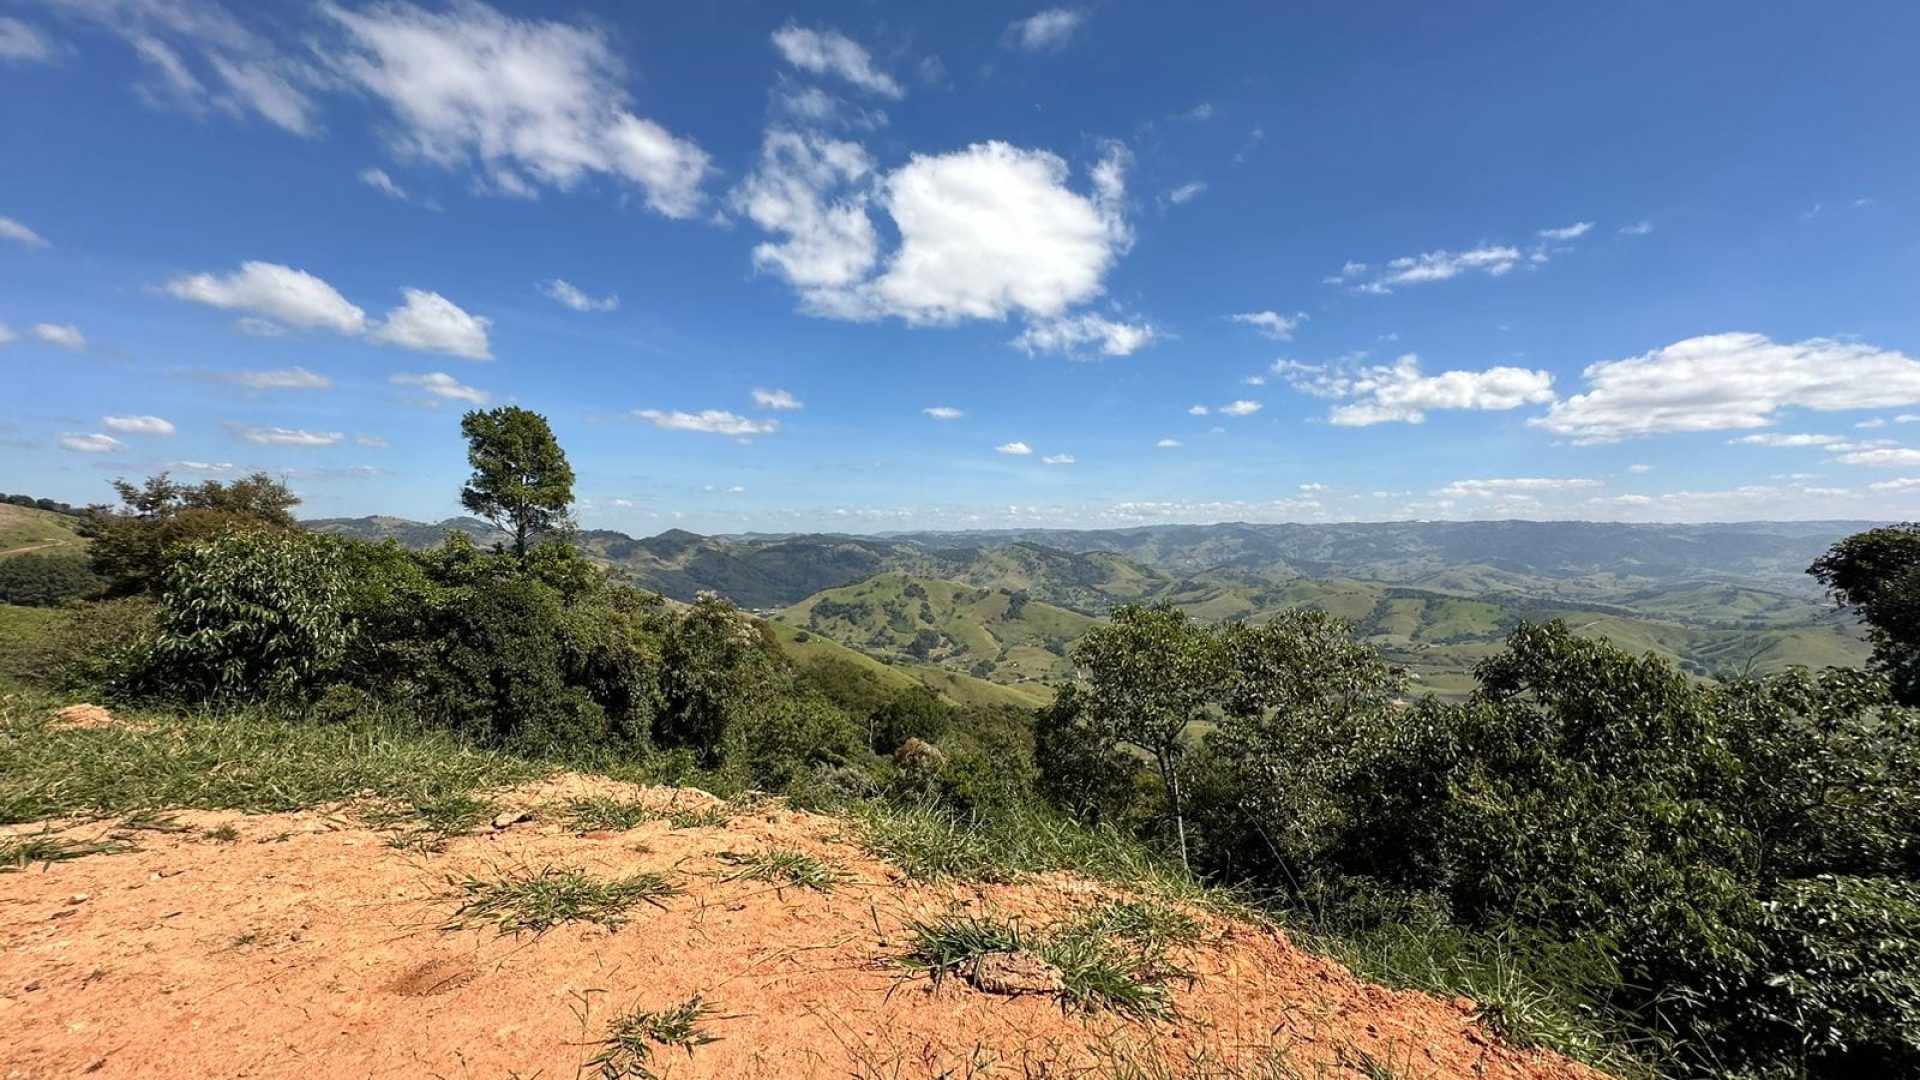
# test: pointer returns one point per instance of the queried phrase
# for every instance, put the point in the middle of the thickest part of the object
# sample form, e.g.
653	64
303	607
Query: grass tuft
628	1049
538	901
613	815
1097	971
21	852
783	866
427	825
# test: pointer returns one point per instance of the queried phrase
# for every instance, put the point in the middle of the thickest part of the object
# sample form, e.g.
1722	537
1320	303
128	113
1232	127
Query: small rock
31	986
599	834
511	817
79	898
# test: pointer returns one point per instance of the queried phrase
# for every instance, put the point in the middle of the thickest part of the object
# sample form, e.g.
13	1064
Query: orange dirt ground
308	947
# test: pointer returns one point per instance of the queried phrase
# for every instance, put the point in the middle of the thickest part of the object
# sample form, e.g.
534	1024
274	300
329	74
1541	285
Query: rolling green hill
24	529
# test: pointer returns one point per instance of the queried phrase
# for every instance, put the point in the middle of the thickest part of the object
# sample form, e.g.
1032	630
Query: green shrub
37	579
252	614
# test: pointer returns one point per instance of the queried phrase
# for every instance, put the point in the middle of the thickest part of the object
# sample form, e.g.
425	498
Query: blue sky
874	268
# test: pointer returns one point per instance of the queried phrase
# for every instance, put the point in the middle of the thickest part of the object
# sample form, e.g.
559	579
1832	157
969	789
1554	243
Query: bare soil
307	946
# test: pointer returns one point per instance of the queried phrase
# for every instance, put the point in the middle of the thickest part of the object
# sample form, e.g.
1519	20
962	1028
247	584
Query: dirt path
304	945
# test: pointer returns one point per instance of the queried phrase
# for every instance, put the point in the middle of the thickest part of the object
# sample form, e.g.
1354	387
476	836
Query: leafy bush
247	615
37	579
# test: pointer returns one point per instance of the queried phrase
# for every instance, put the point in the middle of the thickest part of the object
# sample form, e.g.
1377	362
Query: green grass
614	815
781	867
20	852
1096	972
929	846
537	901
427	825
627	1050
253	760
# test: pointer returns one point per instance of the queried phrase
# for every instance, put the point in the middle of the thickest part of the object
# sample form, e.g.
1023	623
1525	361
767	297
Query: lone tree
521	480
1877	573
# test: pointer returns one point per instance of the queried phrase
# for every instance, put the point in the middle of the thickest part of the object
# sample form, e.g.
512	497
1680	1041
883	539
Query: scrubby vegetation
1661	875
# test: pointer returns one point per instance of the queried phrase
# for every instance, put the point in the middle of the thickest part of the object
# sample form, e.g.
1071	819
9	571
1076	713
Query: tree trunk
1170	777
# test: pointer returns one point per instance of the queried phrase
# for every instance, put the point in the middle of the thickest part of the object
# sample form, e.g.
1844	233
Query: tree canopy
521	480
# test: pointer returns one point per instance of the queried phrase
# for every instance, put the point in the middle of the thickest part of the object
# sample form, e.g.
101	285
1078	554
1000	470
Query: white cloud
776	399
20	43
279	436
1169	444
65	335
1196	410
1908	483
1187	192
1494	261
442	385
985	232
6	333
1047	30
1638	228
91	444
1057	459
293	378
375	442
1876	422
138	425
711	421
572	297
378	180
1639	468
1242	407
206	466
1775	439
1730	381
276	291
829	52
529	102
20	234
1398	392
943	412
1075	334
1567	232
1512	486
253	326
1272	324
1886	457
431	322
1015	448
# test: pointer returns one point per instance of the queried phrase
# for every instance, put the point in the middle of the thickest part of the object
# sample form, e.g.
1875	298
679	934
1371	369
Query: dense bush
39	579
250	614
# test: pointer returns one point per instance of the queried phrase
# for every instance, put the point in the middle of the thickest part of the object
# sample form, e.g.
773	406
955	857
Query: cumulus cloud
64	335
1076	335
442	385
1730	381
1057	459
20	234
1169	444
529	102
275	291
565	293
1442	265
6	333
776	399
90	444
943	412
432	323
375	442
710	421
829	52
1776	439
1015	448
138	425
1047	30
279	436
1638	228
253	326
1272	324
1399	392
20	43
1196	410
1242	407
985	232
1885	457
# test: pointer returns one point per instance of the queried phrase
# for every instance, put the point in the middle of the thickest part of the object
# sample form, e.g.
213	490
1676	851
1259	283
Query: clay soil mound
305	945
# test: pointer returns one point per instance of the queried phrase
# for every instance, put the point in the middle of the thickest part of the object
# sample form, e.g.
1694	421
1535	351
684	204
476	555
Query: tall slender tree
521	480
